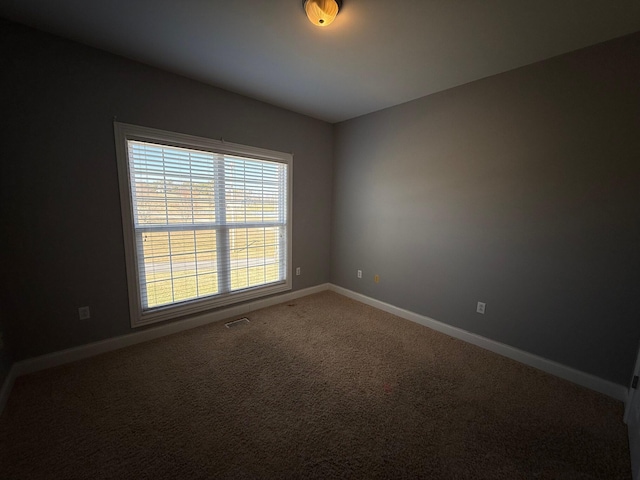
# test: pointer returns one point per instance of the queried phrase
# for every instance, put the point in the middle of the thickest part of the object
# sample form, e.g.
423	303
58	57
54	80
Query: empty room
320	239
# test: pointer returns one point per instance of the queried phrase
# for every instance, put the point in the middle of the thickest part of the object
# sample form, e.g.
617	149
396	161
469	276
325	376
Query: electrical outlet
359	273
298	270
376	278
480	308
84	313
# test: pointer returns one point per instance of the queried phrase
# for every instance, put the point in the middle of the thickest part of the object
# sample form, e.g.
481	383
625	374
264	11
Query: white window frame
139	317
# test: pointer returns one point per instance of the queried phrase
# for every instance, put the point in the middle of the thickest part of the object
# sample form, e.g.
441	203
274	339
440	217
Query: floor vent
237	323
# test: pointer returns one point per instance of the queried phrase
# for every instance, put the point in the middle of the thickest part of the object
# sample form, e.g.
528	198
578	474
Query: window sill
184	309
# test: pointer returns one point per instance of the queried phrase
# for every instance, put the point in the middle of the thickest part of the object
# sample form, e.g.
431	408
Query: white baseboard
62	357
614	390
7	386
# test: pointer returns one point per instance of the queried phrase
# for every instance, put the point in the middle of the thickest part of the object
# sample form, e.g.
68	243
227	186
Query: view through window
207	224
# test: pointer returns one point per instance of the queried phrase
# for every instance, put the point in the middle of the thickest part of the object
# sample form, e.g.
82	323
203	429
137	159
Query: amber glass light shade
321	12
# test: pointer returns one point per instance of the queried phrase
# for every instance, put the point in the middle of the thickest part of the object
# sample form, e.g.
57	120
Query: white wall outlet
298	270
359	273
480	308
84	313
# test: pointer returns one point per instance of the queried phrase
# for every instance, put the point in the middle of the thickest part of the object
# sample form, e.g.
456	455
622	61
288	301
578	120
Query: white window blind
207	226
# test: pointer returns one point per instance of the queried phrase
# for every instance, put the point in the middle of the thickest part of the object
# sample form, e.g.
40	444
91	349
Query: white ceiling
376	54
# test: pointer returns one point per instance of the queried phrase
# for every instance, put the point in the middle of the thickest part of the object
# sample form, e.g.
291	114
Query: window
206	223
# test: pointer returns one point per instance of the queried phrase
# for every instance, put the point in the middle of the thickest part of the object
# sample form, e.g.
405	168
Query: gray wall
65	244
521	190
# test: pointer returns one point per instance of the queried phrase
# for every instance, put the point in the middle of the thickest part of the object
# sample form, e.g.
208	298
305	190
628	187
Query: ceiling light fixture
321	12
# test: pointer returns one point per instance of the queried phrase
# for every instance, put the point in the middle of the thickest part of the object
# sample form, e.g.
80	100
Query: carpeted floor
323	387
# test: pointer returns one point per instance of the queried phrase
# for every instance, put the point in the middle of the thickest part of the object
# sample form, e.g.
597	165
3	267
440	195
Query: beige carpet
324	387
